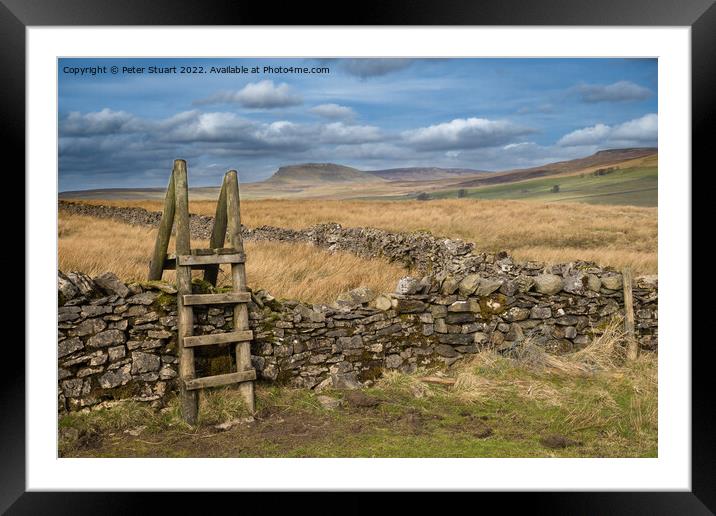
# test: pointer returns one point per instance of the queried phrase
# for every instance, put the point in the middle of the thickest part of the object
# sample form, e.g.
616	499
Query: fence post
632	343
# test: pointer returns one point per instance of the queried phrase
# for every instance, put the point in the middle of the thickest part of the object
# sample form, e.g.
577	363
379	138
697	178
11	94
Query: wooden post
238	277
189	398
156	266
632	343
218	233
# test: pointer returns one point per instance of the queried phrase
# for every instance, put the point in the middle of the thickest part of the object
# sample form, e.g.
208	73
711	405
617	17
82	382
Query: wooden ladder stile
176	213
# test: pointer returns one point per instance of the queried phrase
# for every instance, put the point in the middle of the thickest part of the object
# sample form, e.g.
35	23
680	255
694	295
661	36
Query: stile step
209	259
216	299
221	379
218	338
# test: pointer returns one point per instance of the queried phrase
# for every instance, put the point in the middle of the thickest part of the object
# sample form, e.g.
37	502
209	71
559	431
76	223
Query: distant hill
424	173
603	158
319	173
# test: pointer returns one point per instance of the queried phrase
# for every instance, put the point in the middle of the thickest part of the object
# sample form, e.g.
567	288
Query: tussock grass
619	236
291	271
595	388
606	352
220	405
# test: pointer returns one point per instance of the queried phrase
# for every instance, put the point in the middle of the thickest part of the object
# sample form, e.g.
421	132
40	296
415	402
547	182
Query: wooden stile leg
238	277
164	233
218	233
189	398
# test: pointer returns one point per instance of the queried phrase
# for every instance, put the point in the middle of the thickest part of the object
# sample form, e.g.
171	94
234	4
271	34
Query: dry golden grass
619	236
291	271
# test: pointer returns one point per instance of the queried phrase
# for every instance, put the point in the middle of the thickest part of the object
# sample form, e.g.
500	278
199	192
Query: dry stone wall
423	252
119	341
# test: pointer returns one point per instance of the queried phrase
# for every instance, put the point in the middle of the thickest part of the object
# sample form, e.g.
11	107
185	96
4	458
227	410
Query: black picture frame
700	15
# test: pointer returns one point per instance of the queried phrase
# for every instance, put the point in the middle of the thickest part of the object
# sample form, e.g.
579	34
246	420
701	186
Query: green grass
606	414
632	186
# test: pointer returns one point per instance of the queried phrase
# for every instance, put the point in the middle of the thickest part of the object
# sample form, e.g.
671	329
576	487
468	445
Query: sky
123	127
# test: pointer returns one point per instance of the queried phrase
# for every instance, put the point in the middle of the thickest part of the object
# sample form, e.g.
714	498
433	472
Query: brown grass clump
290	271
619	236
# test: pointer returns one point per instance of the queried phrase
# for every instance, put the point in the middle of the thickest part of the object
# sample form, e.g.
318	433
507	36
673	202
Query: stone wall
118	341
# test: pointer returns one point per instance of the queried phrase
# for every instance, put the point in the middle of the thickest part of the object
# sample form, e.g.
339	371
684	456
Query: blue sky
123	130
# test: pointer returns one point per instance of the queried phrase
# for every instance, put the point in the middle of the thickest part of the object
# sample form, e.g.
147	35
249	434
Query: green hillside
632	186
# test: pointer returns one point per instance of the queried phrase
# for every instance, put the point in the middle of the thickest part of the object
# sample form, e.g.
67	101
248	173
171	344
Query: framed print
433	239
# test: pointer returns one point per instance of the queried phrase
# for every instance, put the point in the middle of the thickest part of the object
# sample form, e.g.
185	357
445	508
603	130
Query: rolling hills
615	176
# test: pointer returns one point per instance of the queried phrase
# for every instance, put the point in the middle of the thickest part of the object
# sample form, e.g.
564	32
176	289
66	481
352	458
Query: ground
534	406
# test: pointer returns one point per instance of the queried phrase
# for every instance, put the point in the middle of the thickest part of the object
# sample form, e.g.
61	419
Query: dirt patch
360	399
414	421
288	425
557	441
473	425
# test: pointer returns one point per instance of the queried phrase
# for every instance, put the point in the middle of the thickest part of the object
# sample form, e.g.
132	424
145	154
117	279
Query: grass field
632	186
552	232
292	271
590	404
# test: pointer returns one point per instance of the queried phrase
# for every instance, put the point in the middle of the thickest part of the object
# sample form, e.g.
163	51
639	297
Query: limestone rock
516	314
65	287
449	286
144	298
82	283
468	284
576	283
68	346
329	402
548	284
144	362
541	312
106	338
612	281
408	285
479	338
347	381
445	350
393	361
357	296
487	286
593	282
111	284
410	306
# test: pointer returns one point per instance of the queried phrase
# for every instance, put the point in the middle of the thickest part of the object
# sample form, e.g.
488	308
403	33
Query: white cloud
620	91
257	95
640	131
511	146
105	121
464	134
338	132
334	111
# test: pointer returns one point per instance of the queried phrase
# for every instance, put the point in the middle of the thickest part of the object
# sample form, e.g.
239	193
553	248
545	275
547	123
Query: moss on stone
164	302
494	304
200	286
